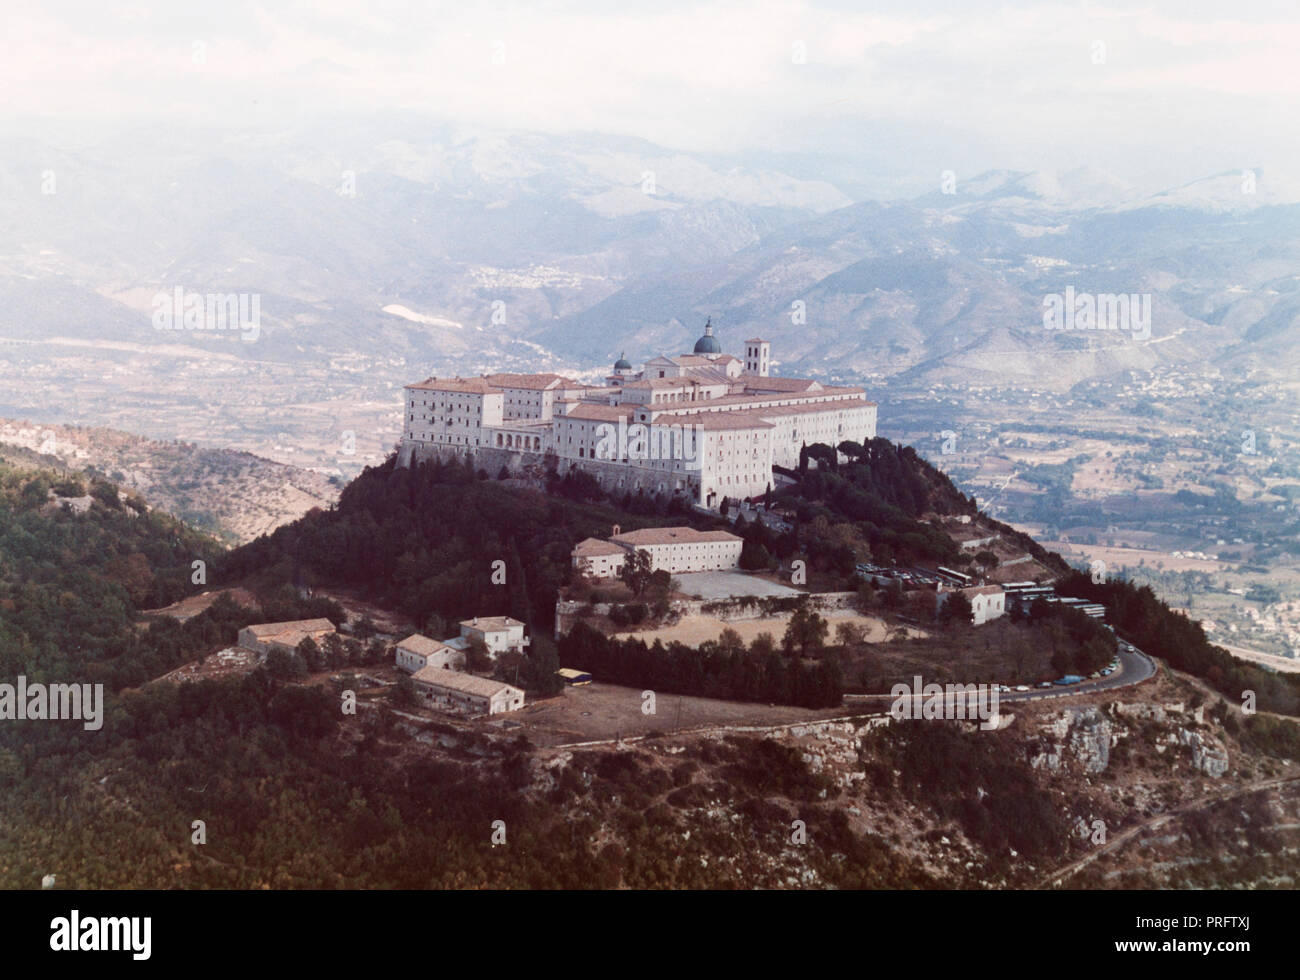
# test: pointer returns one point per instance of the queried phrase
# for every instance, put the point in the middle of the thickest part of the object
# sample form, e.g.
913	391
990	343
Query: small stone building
417	652
498	633
451	690
265	637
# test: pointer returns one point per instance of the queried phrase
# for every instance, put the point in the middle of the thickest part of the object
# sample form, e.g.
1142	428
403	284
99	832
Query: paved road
1134	668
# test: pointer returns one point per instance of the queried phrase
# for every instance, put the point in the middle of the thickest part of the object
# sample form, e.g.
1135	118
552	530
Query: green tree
753	556
377	652
636	571
353	652
403	694
891	596
311	655
849	634
730	642
336	654
956	609
805	632
540	674
477	658
1060	660
866	597
763	647
284	665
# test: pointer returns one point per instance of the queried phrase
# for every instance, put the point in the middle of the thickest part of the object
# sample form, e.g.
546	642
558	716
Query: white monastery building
672	549
705	425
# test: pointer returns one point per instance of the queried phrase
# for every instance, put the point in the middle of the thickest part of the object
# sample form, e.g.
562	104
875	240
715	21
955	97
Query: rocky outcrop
1084	735
1207	756
1141	710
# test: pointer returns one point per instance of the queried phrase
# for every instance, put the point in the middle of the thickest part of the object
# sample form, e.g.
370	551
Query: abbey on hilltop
705	425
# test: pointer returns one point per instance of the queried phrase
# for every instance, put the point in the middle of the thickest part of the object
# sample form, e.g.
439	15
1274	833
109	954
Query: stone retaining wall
615	479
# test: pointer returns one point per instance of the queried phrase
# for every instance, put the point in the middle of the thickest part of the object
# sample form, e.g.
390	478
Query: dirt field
694	630
605	711
1285	665
1130	557
192	606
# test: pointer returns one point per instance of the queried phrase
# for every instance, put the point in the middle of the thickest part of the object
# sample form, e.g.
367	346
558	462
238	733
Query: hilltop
384	798
233	495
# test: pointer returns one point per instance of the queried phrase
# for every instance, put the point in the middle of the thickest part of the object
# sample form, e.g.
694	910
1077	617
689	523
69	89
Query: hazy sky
1152	91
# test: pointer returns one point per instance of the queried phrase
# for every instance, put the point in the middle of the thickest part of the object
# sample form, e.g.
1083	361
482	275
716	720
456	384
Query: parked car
1022	687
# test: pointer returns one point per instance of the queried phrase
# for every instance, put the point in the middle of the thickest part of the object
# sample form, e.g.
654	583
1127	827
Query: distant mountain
483	236
444	250
952	287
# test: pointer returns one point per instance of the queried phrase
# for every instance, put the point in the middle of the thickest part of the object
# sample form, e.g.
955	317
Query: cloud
712	76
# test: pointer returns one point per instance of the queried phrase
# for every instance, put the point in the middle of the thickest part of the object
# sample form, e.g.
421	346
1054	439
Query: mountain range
456	251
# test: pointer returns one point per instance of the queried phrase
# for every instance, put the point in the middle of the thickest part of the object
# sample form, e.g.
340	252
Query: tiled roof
594	548
782	384
807	408
671	535
300	625
981	590
711	376
536	382
473	386
454	680
662	383
598	413
715	421
425	647
758	401
491	623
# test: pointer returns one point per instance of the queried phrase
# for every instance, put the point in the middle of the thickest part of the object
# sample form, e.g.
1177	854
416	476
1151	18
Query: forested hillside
293	793
72	584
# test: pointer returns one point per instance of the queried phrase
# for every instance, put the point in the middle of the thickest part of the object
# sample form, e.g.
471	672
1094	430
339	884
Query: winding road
1134	668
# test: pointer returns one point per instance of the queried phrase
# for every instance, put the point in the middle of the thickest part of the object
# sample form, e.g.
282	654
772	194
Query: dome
622	364
708	344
